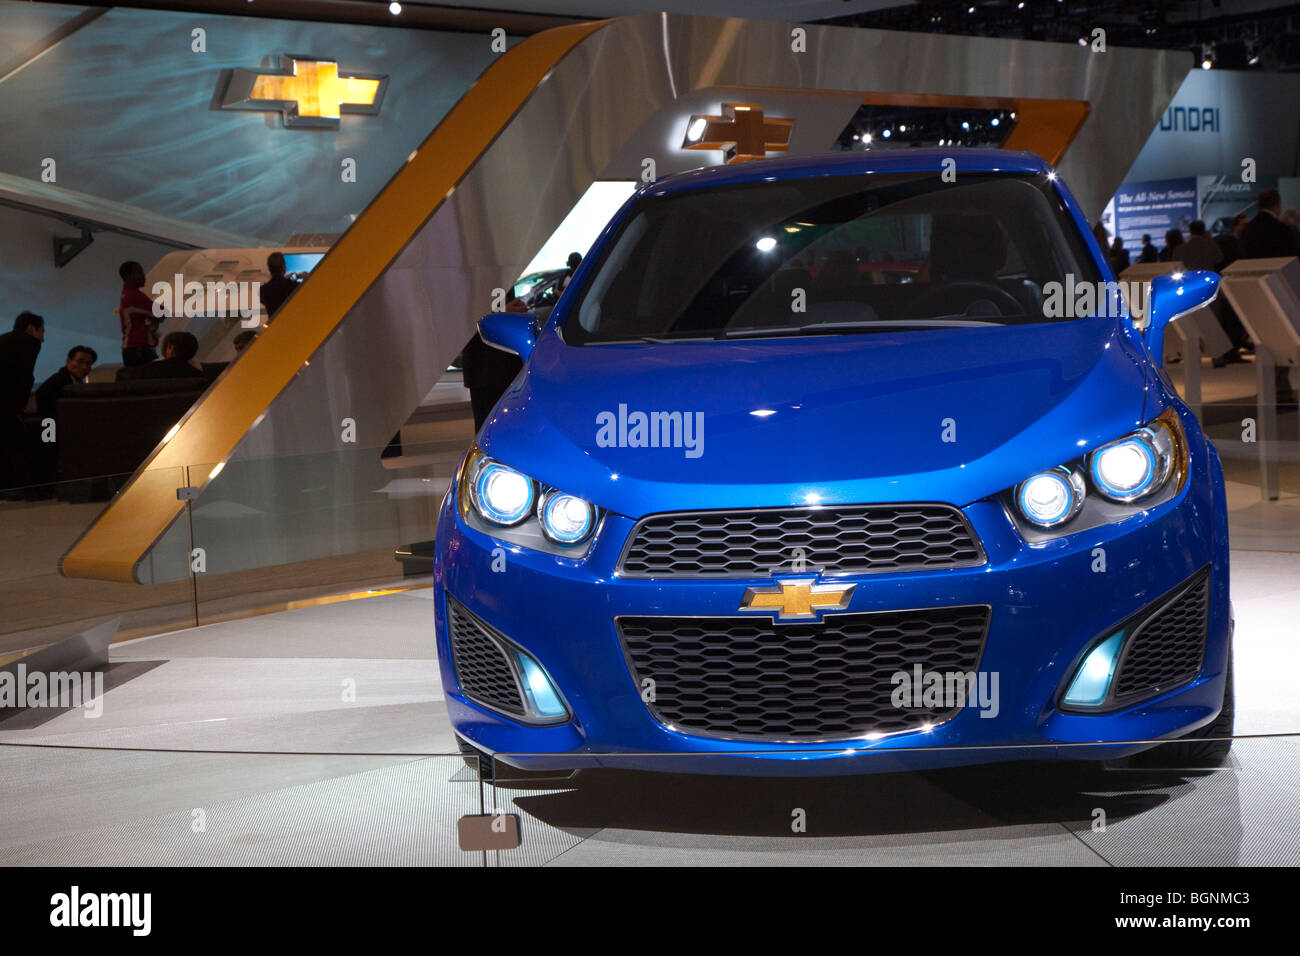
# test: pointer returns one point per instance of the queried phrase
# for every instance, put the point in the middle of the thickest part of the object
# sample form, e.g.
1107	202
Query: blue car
835	465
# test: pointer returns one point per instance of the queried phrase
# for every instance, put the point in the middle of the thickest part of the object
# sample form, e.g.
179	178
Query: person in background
1200	251
277	291
19	350
244	339
1267	236
1119	260
44	454
179	349
575	260
1172	252
135	313
1148	253
81	359
1230	241
1292	219
1230	246
489	371
1102	235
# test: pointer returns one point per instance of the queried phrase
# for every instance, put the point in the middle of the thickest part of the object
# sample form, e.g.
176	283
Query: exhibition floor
167	775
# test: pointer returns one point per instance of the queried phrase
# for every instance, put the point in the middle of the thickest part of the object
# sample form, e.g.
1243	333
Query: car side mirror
1172	297
509	331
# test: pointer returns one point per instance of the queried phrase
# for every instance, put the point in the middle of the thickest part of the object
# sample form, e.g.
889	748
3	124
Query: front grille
484	674
858	539
1169	648
754	678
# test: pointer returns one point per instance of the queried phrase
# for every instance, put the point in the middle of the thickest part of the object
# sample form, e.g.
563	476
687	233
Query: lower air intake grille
752	678
484	674
1169	648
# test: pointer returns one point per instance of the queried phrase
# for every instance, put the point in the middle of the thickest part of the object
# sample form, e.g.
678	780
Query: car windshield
832	254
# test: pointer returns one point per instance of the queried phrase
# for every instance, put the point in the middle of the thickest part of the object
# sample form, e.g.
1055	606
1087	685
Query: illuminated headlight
566	519
514	507
1134	466
502	495
1050	497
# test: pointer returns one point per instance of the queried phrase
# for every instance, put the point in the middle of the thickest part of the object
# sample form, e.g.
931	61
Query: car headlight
508	504
1051	498
1134	466
502	495
1144	468
566	519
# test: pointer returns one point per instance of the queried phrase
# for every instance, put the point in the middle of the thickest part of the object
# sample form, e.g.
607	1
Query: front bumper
1048	605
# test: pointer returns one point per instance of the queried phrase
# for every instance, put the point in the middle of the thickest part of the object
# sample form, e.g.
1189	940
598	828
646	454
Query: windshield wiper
655	339
814	328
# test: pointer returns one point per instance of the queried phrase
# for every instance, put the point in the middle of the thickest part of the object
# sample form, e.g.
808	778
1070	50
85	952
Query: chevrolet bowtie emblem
741	132
798	600
307	91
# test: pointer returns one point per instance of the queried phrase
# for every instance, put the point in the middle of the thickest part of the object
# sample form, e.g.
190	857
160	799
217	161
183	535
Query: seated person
81	359
179	349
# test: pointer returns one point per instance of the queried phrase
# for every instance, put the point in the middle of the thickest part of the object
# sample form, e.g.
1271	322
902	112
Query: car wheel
1206	746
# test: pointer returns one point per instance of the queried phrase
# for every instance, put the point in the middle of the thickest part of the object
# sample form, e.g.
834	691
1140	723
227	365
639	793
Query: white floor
293	737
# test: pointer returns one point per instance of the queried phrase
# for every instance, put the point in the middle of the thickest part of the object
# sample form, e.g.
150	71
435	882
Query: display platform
318	736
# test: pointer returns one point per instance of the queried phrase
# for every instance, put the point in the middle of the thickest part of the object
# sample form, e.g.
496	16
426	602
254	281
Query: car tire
1206	747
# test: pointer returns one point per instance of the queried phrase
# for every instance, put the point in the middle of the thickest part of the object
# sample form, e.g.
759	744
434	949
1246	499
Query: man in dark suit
178	349
18	353
489	371
274	293
81	359
1267	236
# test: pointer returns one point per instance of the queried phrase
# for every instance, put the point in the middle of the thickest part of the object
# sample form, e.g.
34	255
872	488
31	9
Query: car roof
849	162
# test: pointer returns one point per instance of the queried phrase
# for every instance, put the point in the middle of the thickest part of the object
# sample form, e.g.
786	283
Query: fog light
540	696
1091	683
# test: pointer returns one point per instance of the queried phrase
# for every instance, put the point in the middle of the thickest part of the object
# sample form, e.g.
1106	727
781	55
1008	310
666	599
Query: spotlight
887	133
394	8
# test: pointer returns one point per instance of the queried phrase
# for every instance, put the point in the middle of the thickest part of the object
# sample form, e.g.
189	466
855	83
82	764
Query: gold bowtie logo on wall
742	132
307	91
800	599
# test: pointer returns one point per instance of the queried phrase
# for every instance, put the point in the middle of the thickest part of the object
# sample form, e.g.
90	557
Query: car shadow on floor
982	797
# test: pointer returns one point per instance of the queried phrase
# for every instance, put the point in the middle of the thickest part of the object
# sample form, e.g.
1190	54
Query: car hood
950	415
